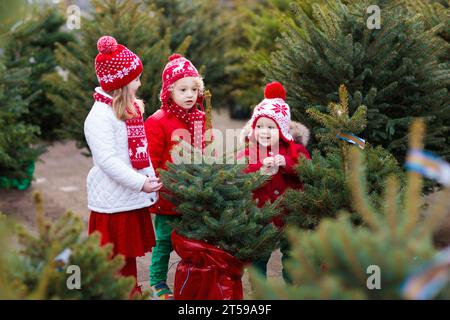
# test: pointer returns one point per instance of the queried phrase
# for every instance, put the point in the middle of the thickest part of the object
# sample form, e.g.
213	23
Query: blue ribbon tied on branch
351	138
428	165
426	282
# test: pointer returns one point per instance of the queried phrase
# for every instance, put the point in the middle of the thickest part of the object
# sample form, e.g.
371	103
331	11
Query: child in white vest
122	184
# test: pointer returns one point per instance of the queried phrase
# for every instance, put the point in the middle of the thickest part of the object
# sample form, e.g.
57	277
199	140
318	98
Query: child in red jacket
273	151
182	89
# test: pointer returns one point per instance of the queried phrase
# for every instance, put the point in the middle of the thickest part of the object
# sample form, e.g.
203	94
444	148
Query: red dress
131	234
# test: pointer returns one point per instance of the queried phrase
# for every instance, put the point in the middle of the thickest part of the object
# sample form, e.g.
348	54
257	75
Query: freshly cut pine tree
335	261
215	200
326	188
395	71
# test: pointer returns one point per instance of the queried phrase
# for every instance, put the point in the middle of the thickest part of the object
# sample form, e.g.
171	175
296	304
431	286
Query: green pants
261	265
161	252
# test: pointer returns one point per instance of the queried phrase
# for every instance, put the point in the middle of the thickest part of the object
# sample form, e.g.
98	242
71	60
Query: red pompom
175	56
106	44
274	90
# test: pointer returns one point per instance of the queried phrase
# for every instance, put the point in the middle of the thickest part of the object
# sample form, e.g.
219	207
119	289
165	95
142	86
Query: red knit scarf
137	140
195	120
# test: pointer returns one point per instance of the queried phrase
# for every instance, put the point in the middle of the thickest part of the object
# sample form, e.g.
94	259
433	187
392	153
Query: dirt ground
60	177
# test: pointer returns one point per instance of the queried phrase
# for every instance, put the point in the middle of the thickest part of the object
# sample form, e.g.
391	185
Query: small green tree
19	144
326	188
31	44
36	272
215	200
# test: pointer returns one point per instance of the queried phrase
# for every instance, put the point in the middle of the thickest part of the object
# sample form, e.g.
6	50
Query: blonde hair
123	104
198	81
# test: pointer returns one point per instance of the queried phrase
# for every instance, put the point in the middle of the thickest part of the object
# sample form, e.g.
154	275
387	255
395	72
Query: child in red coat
273	151
182	89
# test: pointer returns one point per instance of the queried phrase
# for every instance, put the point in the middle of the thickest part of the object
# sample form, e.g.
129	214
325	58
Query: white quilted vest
113	185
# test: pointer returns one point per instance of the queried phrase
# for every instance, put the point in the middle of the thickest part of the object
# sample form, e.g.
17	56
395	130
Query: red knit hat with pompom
177	68
115	65
274	107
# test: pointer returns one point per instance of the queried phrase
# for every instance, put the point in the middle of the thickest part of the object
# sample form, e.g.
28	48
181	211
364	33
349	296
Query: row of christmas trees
357	211
346	219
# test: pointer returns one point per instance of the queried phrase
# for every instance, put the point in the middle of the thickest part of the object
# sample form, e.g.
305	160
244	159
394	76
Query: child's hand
280	161
269	167
269	162
152	184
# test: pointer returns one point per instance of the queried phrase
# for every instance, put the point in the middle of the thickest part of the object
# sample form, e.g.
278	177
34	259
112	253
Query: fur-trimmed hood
299	132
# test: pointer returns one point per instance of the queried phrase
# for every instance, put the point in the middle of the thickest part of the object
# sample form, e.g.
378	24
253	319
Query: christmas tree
395	70
215	200
326	188
220	229
31	43
254	26
337	260
19	144
46	263
135	25
206	23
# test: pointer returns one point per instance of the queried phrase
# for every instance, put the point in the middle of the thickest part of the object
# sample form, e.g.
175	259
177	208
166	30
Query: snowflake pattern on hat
274	108
115	65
